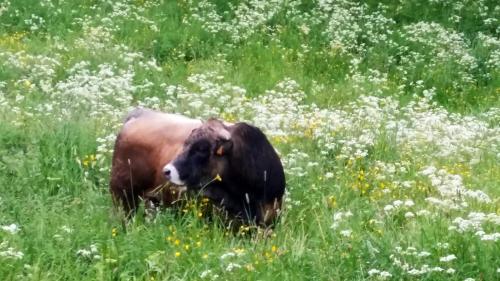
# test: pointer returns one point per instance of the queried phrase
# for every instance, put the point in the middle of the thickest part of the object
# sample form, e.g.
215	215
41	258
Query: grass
343	170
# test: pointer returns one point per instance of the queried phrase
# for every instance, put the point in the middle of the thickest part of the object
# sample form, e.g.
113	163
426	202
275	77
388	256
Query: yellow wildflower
218	178
274	249
332	201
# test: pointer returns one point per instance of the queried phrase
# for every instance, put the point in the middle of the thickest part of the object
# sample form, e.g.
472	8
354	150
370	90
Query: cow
146	142
233	165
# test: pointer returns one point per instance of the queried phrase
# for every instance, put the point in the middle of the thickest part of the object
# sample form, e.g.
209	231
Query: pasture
386	115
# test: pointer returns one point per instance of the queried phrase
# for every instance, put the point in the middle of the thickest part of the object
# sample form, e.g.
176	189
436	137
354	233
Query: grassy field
386	115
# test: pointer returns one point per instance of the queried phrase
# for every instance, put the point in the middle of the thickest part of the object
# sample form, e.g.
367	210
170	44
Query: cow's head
204	156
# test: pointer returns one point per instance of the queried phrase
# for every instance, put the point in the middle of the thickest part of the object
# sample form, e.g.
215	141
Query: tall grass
385	115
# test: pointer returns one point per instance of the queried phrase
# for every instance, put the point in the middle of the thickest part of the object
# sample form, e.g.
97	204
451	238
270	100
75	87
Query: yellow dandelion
332	201
274	249
177	254
177	242
205	256
239	251
186	247
218	178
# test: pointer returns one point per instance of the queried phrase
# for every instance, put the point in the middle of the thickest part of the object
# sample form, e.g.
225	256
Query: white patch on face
173	174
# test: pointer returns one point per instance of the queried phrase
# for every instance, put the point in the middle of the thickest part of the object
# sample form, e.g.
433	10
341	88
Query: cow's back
147	141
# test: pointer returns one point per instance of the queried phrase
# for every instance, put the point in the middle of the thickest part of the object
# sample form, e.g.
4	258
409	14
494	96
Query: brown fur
147	141
251	178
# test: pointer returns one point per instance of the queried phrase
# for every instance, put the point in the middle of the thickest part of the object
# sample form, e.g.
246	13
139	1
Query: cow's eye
202	148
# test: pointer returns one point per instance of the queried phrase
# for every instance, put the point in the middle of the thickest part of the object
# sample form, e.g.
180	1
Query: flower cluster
90	253
10	252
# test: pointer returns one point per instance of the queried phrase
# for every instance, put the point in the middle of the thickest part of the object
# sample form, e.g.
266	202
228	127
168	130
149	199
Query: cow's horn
224	133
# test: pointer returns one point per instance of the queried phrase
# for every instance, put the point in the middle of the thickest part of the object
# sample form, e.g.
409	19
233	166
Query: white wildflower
346	233
384	275
423	254
205	273
232	266
423	213
409	203
388	208
227	255
409	215
397	203
447	258
450	271
12	228
84	253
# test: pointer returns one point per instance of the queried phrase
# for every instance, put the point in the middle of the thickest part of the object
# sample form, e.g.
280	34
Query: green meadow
386	116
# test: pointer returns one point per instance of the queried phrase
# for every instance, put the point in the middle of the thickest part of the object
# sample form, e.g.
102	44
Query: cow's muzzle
172	174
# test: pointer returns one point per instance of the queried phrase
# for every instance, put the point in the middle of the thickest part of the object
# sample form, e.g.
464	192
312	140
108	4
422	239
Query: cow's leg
236	208
123	195
268	212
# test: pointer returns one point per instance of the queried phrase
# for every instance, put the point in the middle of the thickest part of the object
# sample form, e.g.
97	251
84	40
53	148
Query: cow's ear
224	147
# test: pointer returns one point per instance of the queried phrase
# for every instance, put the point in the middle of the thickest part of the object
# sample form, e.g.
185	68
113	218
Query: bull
158	155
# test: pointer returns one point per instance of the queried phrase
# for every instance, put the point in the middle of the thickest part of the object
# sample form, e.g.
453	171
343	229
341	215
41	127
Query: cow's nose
167	173
172	174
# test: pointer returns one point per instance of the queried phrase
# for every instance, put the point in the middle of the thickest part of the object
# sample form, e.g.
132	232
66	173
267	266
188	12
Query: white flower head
205	273
346	233
232	266
12	228
409	215
388	208
447	258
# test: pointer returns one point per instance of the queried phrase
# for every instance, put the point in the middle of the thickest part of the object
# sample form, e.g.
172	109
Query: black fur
251	171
